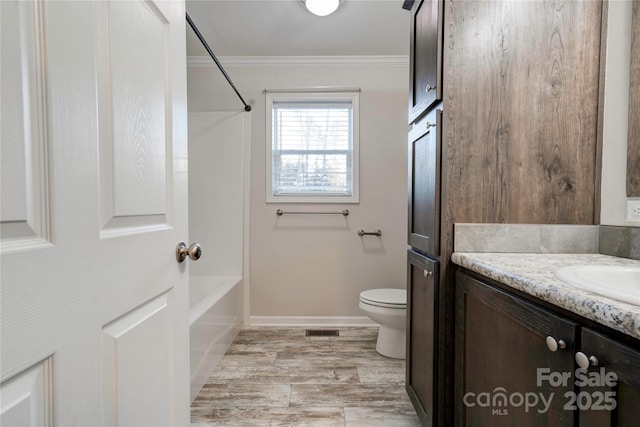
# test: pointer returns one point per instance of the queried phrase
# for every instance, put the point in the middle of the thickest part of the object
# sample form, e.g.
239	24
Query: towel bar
369	233
280	212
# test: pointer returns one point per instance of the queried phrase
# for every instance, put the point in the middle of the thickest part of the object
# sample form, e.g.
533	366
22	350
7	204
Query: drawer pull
554	345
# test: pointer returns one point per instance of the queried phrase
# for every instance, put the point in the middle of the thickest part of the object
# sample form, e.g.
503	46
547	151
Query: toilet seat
387	298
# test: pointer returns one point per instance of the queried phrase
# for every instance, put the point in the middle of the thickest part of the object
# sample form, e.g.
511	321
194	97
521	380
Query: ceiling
286	28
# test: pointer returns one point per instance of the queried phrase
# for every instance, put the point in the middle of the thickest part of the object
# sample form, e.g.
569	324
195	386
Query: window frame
304	96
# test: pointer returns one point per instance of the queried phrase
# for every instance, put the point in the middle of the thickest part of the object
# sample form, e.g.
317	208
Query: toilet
388	308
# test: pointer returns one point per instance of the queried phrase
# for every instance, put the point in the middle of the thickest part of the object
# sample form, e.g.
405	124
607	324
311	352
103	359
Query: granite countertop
532	273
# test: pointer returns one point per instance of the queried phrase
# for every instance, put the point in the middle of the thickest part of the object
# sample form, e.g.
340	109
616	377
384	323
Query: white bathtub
214	319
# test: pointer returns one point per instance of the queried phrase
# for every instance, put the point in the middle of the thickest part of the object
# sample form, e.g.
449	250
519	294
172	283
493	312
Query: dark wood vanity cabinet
425	79
424	184
501	349
621	360
422	294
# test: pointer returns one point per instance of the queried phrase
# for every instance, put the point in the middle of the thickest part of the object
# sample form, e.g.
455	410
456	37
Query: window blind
312	148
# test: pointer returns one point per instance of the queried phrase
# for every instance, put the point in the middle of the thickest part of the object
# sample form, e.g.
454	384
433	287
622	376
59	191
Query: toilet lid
393	298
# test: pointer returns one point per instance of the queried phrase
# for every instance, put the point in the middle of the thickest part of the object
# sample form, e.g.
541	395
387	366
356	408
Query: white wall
318	265
616	115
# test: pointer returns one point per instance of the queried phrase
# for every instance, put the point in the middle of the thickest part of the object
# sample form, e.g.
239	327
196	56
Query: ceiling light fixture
322	7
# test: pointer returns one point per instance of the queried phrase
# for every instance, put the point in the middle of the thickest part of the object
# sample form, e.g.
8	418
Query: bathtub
214	321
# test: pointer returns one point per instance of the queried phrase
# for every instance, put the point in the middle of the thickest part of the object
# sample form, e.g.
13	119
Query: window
312	147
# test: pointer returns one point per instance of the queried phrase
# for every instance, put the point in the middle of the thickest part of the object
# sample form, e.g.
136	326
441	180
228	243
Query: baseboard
311	321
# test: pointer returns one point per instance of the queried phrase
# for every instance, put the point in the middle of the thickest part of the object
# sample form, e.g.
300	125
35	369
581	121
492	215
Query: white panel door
93	180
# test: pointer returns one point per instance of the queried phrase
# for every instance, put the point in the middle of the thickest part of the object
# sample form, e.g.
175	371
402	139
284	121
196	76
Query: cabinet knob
428	273
429	88
584	362
554	345
430	125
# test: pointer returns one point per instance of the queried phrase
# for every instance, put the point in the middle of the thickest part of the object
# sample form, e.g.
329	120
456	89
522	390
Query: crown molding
301	61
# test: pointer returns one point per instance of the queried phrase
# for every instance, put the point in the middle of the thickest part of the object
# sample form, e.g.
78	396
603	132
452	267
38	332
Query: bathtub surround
219	176
219	221
279	377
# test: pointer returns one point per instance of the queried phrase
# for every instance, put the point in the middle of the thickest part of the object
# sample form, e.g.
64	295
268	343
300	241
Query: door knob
427	273
193	252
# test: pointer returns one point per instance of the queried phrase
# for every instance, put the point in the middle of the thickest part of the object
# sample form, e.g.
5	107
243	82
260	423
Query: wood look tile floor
279	378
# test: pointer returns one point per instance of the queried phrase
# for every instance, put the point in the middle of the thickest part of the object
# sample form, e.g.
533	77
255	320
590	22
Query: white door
94	322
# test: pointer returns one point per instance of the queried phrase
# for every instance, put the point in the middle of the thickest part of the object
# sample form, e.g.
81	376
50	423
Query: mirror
633	141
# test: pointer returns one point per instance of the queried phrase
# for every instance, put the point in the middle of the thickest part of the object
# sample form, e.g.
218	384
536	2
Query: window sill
354	199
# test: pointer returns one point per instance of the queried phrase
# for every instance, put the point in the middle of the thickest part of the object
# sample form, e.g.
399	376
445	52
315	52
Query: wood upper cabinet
500	349
613	358
521	84
422	376
424	184
425	81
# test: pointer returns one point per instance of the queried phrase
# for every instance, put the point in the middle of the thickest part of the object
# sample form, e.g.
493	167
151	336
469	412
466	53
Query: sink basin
618	282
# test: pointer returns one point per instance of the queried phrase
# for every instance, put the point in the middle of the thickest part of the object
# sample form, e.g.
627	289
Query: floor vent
322	333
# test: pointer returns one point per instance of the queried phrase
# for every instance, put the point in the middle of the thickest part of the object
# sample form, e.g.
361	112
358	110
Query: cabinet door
425	87
613	358
522	84
424	184
501	352
422	335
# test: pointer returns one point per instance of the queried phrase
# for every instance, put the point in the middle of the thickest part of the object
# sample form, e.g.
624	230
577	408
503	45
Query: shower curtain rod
247	107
